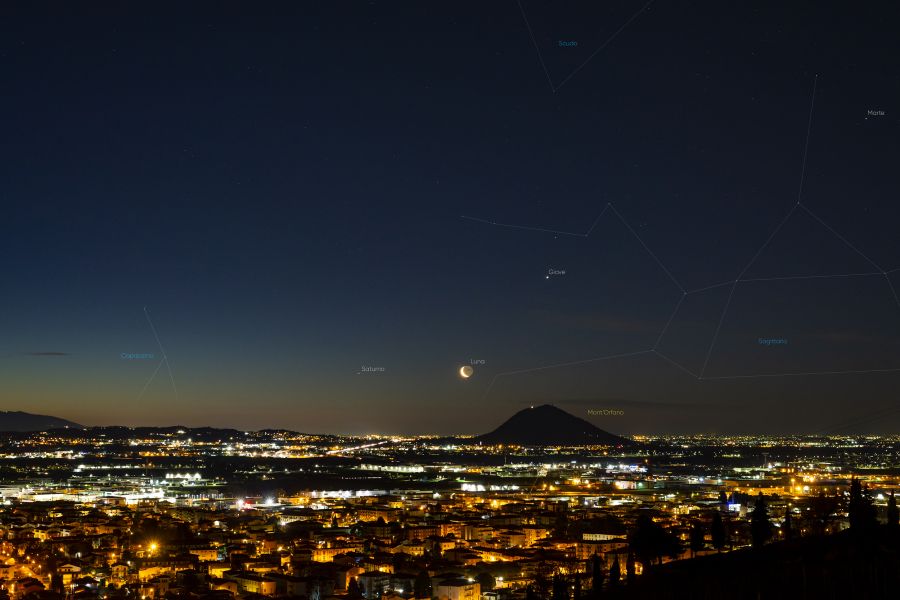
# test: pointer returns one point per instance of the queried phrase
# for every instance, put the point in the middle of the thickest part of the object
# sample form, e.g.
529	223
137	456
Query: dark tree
597	574
861	509
615	573
542	582
56	583
723	497
353	589
51	564
530	594
486	581
630	570
183	532
893	515
576	593
192	581
670	545
422	585
717	532
822	508
698	535
788	526
650	541
644	541
560	589
561	527
854	508
760	526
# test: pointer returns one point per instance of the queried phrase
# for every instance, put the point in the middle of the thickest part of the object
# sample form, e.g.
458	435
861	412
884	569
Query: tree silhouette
717	532
422	585
861	509
560	591
760	526
788	526
486	581
56	583
192	581
822	508
597	574
542	580
353	589
697	538
650	541
561	526
671	545
893	515
630	571
644	541
615	573
576	594
854	509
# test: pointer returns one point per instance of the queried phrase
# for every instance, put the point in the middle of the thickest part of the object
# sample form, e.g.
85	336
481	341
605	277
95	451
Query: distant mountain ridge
23	421
544	425
547	425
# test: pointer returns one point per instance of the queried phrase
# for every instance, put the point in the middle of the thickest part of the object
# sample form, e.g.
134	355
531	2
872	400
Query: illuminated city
149	511
504	300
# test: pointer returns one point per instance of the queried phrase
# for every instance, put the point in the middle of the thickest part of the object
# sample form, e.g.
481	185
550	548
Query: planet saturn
466	371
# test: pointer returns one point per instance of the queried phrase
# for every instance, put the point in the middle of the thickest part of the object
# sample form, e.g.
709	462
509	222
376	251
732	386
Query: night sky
289	193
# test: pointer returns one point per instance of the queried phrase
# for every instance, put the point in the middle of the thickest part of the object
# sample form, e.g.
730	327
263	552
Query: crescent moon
466	371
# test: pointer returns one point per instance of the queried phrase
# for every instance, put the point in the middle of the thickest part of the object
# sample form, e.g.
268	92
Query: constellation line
155	371
790	277
649	251
163	352
565	364
669	322
850	372
604	44
718	328
536	47
680	366
525	227
812	103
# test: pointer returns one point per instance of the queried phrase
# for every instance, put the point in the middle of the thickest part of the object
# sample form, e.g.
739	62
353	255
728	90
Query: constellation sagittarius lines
877	271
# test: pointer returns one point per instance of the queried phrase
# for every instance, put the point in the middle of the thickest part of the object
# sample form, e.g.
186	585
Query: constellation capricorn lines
701	376
165	359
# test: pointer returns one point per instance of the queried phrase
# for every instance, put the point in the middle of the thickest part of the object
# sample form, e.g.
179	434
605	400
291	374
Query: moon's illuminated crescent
466	371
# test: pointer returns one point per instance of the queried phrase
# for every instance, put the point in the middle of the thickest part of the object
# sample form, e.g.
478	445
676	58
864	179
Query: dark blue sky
283	189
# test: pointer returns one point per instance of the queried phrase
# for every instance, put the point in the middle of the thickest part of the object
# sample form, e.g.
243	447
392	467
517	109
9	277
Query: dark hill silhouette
23	421
835	566
547	425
